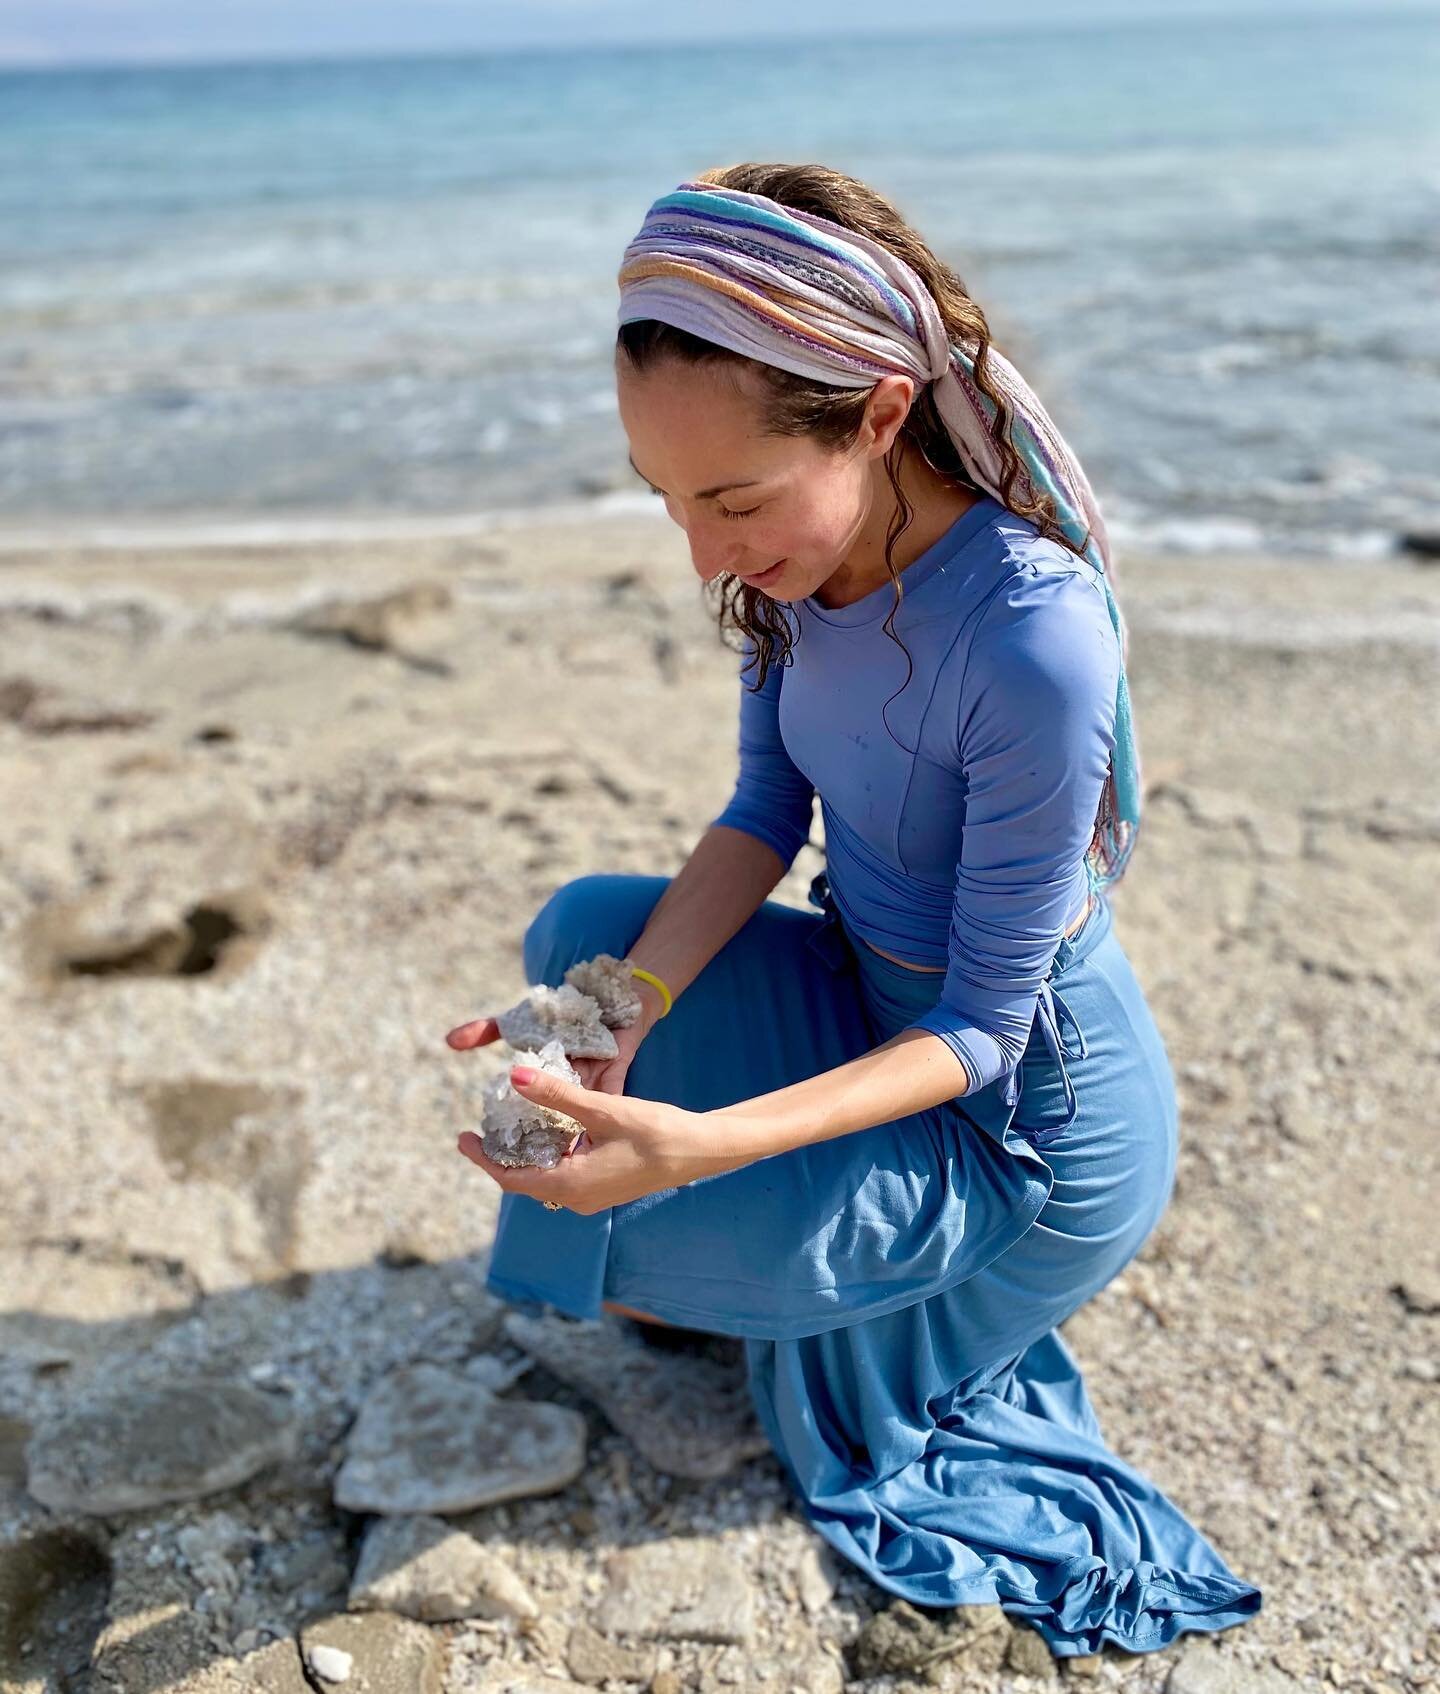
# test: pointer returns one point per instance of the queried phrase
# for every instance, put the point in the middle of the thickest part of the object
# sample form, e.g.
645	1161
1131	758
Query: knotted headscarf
811	296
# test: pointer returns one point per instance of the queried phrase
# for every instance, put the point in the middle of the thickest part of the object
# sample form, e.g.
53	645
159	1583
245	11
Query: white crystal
607	980
563	1014
517	1131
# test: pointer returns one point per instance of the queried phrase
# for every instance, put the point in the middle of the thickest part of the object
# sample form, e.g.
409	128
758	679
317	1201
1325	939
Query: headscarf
811	296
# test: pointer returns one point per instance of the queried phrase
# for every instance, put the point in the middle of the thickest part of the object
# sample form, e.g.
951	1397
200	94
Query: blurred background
336	634
304	283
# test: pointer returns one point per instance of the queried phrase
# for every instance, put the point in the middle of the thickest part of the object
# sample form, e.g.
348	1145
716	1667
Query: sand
277	816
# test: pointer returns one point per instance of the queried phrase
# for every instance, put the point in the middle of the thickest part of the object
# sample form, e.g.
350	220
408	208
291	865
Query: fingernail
522	1074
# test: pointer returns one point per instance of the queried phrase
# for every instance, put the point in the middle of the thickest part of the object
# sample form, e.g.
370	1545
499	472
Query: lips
760	575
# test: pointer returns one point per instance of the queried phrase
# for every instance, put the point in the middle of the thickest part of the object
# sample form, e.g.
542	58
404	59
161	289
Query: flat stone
814	1580
388	1655
680	1590
127	1450
1207	1669
427	1569
688	1416
1419	1293
432	1440
594	1658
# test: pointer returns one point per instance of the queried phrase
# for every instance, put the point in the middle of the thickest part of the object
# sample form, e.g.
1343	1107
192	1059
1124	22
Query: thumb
583	1104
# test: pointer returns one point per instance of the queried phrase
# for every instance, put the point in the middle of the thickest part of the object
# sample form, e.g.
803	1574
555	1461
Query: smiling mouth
766	572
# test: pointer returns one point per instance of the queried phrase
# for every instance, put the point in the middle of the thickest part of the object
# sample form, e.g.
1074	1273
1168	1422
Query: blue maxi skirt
898	1288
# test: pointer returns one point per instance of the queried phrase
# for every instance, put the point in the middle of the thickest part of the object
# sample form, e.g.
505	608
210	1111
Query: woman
893	1144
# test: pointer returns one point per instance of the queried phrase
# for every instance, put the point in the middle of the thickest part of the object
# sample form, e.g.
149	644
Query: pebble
431	1440
330	1664
126	1450
682	1589
594	1658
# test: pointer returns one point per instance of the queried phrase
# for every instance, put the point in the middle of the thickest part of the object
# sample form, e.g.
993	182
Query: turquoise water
388	287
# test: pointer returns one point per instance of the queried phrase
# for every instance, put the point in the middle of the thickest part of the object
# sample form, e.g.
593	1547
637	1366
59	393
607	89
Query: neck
935	505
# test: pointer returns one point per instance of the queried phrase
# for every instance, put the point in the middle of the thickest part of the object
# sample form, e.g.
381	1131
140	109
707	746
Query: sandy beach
277	816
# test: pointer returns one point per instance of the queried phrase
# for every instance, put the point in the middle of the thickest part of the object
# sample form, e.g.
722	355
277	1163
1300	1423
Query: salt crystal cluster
548	1028
517	1131
563	1014
607	981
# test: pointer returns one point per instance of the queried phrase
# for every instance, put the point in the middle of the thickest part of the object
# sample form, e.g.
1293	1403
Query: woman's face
748	502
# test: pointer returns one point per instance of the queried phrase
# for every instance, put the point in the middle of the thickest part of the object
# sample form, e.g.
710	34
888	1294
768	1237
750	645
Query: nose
711	551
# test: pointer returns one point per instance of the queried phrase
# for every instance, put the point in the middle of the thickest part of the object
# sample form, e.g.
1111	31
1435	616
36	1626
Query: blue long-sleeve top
956	837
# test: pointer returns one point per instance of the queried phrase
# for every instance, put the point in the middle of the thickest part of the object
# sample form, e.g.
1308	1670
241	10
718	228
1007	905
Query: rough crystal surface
564	1014
517	1131
608	982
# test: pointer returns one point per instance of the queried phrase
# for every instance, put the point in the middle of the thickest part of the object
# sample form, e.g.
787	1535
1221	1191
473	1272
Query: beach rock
895	1641
374	1654
1419	1293
594	1658
1208	1669
563	1014
517	1131
381	623
608	981
1027	1655
690	1417
1421	543
124	1450
424	1568
430	1440
679	1589
814	1576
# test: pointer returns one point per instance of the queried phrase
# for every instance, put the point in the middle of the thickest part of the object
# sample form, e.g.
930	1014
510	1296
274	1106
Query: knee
601	913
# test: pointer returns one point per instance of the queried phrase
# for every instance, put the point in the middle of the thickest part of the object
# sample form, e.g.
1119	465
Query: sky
68	32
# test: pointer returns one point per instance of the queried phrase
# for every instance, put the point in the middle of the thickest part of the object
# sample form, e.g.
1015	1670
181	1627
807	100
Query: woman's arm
721	885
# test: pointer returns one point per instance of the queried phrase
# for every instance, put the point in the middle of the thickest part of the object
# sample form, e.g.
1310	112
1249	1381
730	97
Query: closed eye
724	512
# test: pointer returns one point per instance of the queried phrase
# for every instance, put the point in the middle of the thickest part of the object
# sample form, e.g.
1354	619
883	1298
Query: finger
474	1034
567	1183
592	1109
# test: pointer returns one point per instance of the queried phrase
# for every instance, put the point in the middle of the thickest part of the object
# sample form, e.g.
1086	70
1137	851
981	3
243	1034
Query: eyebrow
705	493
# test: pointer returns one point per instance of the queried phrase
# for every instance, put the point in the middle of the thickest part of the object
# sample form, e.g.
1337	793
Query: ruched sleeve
773	799
1036	724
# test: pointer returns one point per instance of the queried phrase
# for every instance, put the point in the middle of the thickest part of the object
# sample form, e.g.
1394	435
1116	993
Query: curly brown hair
799	406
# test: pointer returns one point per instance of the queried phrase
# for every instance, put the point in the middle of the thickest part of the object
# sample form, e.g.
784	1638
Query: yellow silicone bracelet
650	976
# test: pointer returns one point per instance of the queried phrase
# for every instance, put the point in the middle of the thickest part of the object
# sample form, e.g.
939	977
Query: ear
886	409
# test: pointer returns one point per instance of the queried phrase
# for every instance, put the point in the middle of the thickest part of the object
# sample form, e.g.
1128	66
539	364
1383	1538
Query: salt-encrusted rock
563	1014
431	1440
690	1417
814	1578
607	980
517	1131
124	1450
387	1655
679	1589
424	1568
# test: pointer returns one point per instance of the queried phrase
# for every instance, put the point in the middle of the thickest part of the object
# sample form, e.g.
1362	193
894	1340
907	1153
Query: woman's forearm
911	1072
719	888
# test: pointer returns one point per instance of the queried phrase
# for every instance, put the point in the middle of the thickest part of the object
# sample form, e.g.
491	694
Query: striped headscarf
810	296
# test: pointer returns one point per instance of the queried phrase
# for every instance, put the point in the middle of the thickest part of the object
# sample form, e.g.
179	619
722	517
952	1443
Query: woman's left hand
631	1147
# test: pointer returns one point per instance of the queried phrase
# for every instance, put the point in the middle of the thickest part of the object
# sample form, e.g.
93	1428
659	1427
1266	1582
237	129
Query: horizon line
1233	13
